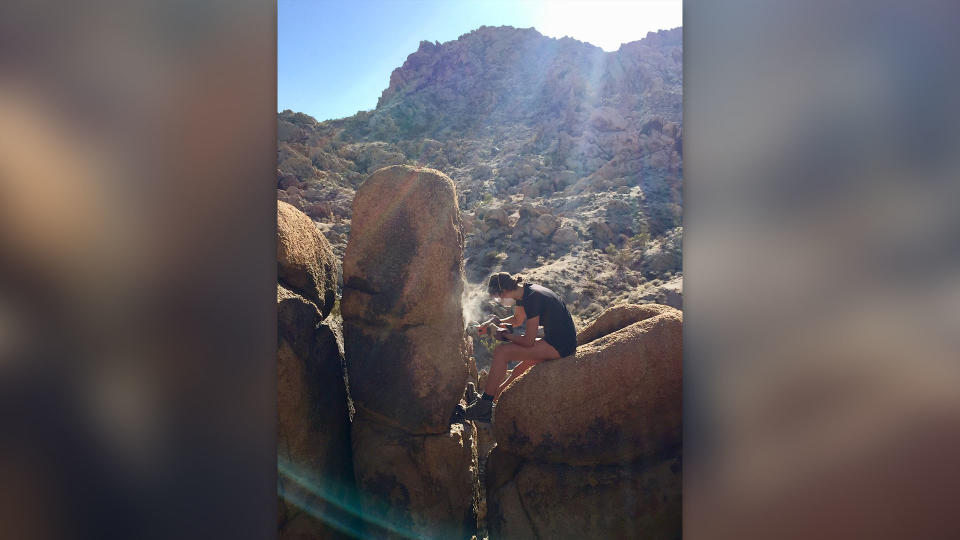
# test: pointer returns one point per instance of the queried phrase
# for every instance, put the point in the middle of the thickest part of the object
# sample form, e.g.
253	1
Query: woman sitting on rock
537	306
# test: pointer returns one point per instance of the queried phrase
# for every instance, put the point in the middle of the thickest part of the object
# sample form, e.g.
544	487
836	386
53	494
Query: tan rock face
407	355
305	261
590	446
601	234
538	500
546	224
566	236
313	424
422	485
618	317
495	218
403	281
619	399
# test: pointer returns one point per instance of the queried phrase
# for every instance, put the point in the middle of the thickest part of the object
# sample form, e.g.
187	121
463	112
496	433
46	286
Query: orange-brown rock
617	400
422	485
313	447
618	317
403	281
530	499
407	355
305	261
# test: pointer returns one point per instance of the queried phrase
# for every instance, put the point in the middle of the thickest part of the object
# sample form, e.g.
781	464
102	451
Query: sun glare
607	24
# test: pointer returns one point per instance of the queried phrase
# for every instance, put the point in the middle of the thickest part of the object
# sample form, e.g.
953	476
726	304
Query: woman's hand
495	321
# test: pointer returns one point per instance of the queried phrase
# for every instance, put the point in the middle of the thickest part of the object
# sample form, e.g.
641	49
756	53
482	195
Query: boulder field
587	446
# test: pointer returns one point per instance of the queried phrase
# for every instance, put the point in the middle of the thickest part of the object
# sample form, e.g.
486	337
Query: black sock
486	396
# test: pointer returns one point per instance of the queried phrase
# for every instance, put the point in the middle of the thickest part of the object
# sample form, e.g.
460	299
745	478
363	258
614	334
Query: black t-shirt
558	328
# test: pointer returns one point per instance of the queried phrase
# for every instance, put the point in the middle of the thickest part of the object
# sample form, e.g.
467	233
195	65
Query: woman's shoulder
543	292
536	288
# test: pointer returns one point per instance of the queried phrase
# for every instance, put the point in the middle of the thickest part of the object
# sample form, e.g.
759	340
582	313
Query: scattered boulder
545	225
534	223
663	255
672	293
527	211
495	217
305	261
292	197
566	236
600	234
372	156
620	217
618	317
495	224
288	180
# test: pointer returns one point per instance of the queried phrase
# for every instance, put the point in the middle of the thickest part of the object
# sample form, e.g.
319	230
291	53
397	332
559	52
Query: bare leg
517	371
498	369
529	357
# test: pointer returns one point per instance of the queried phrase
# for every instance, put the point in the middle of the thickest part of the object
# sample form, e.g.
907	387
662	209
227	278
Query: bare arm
529	338
519	315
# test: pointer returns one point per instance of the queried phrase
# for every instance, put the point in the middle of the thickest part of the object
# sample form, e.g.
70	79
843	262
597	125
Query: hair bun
518	279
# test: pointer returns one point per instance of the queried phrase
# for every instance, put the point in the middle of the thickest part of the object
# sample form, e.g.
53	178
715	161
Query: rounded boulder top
405	245
305	261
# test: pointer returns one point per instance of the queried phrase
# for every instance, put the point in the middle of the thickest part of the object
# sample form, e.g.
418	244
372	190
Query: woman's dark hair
503	281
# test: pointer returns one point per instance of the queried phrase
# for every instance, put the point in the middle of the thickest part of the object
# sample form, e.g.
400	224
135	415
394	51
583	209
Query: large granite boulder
601	235
589	446
663	255
531	499
313	447
407	355
424	486
618	317
305	260
403	282
618	399
566	236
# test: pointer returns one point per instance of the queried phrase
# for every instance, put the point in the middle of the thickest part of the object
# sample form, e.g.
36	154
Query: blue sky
334	58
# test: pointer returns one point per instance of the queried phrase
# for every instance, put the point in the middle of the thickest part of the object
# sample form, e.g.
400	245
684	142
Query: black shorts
565	349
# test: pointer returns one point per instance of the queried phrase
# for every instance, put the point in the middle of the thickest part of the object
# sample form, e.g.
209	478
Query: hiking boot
472	395
457	416
481	411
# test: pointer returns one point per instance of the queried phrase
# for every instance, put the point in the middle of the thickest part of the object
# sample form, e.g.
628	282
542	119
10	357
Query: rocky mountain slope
567	160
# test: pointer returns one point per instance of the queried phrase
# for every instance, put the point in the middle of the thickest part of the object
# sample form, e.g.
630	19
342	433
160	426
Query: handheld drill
491	329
